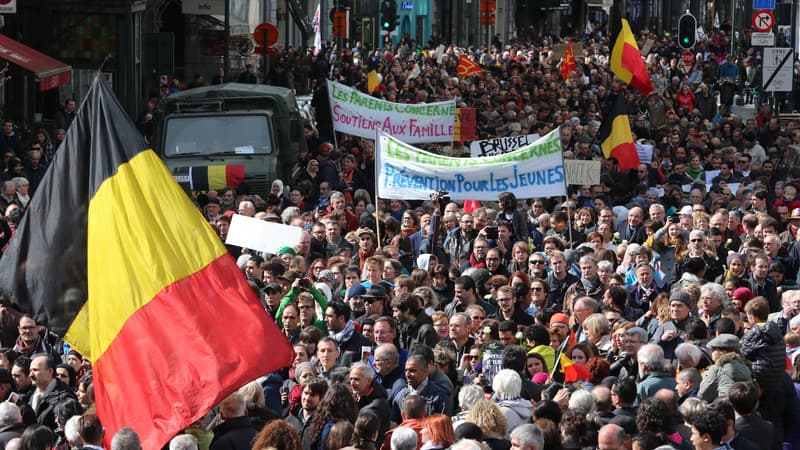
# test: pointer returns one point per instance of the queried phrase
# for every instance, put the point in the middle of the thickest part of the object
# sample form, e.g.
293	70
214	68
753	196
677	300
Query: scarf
408	231
26	349
590	286
362	257
346	333
294	396
474	262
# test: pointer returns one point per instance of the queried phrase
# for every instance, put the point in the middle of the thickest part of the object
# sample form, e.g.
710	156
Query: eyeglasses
478	317
695	240
536	261
537	289
473	357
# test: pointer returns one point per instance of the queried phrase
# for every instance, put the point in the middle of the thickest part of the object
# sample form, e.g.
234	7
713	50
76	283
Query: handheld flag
615	135
373	81
573	371
567	63
317	31
626	61
113	256
467	67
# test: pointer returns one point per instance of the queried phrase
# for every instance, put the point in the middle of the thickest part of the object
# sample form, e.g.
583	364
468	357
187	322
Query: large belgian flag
626	60
112	255
615	134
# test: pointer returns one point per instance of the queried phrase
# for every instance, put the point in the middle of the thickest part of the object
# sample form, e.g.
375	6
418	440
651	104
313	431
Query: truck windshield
214	135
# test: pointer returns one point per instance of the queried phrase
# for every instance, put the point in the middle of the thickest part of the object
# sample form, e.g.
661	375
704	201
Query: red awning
50	71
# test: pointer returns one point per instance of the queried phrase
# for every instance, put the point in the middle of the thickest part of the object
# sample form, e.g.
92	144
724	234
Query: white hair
529	434
183	442
507	385
9	414
467	444
403	438
469	395
581	401
71	430
126	439
364	368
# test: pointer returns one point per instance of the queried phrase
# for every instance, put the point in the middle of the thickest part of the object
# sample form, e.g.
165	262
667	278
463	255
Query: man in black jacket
343	331
414	324
370	395
236	432
50	391
744	398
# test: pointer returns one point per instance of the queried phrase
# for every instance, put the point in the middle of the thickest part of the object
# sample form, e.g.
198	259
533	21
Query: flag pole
377	210
557	361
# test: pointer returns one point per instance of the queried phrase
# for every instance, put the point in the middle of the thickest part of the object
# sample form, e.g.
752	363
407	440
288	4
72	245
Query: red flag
567	62
467	67
573	371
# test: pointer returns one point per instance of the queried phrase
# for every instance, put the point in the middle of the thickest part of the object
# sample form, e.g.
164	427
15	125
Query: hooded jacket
517	412
763	346
718	379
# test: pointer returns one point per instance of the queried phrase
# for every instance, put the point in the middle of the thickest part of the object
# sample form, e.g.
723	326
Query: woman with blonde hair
598	330
490	419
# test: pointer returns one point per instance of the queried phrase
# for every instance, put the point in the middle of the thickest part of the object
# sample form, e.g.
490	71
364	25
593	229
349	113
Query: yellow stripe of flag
130	256
620	134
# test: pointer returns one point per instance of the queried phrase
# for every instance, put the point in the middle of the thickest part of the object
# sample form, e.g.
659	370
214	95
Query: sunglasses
536	261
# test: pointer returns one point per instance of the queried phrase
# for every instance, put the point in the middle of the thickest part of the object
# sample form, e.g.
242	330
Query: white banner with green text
406	172
362	115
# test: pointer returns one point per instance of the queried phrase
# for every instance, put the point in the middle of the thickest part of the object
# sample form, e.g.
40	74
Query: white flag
716	20
317	32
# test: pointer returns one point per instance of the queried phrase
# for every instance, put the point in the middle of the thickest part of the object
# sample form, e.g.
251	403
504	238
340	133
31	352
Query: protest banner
361	115
406	172
260	235
465	124
501	145
582	172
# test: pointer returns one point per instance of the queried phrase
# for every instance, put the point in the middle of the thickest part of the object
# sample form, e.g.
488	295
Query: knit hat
559	318
732	256
285	250
681	296
327	275
744	295
356	290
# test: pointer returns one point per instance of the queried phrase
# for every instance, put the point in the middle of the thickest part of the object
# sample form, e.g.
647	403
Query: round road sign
763	20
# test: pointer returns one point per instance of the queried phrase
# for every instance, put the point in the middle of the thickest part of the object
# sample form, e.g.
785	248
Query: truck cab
238	135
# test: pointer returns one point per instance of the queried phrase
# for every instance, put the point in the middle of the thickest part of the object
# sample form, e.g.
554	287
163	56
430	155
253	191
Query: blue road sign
763	4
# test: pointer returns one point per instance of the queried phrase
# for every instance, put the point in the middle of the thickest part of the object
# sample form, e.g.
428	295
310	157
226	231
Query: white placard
582	172
645	152
501	145
257	234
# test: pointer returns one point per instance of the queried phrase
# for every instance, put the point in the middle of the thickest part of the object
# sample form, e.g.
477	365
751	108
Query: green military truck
237	135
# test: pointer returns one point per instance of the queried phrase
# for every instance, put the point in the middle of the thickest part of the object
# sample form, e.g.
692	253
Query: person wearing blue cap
355	298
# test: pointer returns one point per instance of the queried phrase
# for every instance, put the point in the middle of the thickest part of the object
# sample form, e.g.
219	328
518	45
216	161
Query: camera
491	232
304	283
443	200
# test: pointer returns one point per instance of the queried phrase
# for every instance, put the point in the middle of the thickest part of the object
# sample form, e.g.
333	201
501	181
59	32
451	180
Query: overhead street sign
762	39
777	74
763	4
763	20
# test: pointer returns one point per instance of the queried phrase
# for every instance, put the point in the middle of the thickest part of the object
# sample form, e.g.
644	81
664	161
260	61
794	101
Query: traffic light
388	15
687	27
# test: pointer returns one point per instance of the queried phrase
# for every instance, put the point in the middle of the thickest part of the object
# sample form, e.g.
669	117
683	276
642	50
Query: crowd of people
657	309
